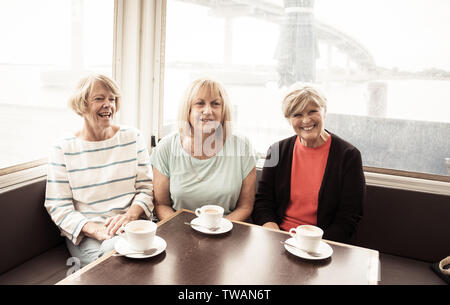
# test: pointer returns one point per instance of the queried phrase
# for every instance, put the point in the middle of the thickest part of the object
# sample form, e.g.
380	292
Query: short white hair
299	96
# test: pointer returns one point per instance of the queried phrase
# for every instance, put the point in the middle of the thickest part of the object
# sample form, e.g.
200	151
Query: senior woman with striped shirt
99	179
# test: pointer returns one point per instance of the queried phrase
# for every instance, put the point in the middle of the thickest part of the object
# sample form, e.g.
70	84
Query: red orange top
308	167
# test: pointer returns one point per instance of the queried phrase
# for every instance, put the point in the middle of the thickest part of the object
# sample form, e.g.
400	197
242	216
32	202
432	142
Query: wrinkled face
101	107
206	112
308	124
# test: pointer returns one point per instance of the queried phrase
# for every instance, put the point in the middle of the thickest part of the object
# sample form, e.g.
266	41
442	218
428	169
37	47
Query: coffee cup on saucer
139	234
210	215
308	237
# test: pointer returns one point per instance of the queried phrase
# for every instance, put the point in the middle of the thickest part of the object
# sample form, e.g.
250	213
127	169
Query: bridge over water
297	50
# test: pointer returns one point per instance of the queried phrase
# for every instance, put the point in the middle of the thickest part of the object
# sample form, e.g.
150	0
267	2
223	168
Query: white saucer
324	248
122	246
225	226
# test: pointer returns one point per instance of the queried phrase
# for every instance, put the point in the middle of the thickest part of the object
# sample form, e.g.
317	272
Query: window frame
143	24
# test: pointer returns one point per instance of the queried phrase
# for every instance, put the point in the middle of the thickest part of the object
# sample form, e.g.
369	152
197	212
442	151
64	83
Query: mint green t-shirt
195	182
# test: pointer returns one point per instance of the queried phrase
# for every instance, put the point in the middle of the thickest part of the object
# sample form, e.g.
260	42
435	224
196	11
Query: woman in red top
314	177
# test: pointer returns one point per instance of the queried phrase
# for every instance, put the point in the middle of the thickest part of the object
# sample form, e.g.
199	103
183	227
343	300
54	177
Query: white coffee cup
308	237
210	215
139	234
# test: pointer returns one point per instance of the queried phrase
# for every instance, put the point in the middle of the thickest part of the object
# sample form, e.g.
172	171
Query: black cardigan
341	194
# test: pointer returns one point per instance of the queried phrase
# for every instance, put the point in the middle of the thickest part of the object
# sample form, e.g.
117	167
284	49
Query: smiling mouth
105	115
308	128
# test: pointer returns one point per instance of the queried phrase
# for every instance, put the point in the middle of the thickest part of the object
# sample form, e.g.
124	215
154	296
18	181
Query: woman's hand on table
96	230
107	230
113	224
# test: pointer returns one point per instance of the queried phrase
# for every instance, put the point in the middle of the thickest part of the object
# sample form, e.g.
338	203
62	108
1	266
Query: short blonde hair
78	102
213	88
297	99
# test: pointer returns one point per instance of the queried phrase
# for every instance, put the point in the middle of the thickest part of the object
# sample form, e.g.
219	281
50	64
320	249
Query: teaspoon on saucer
206	227
315	254
145	252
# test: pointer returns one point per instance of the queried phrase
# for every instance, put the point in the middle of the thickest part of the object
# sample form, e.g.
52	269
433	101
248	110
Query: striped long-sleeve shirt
91	181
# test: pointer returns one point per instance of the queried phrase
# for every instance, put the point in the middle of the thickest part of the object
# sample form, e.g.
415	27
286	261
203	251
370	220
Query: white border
407	183
22	176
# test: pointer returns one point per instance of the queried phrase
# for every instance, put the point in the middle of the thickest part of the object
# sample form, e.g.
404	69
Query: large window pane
383	65
46	46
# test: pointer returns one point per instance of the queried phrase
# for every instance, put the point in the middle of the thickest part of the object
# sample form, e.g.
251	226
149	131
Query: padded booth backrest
26	229
406	223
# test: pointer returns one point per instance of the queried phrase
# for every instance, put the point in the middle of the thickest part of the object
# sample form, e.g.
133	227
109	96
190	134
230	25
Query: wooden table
247	255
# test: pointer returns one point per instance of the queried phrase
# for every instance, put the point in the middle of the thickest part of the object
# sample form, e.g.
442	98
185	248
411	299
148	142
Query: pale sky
408	34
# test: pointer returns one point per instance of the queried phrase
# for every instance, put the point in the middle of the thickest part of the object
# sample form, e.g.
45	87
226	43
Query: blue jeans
90	249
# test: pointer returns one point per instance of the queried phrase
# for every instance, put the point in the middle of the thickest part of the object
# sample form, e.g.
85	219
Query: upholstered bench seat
396	270
47	268
32	250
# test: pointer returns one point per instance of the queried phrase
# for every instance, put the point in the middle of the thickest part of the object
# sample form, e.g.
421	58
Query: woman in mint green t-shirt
204	163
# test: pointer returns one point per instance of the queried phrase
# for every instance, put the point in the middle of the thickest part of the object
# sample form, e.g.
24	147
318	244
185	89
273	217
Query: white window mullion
150	115
126	61
137	63
158	73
